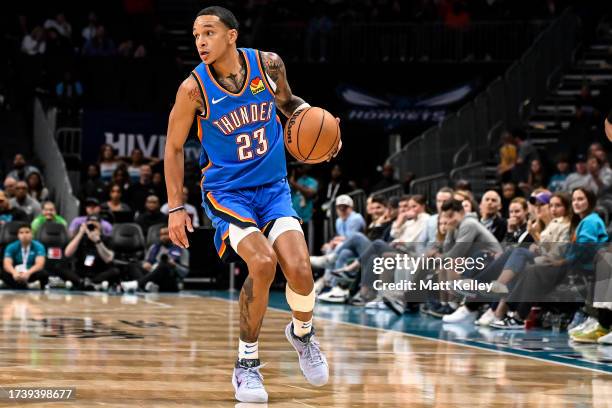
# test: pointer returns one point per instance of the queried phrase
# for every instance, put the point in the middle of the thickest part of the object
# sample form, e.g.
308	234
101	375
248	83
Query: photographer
24	261
93	258
165	266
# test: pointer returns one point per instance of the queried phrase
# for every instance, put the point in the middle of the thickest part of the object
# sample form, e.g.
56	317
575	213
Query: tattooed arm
275	68
188	102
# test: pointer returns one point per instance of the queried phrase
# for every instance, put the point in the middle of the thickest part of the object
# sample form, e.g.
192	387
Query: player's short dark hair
225	16
452	205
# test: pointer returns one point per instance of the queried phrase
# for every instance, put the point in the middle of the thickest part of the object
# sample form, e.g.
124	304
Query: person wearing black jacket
490	207
8	213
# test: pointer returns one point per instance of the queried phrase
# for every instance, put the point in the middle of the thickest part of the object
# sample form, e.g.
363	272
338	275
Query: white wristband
302	106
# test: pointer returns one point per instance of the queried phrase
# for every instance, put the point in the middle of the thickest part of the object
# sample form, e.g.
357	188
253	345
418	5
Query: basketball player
234	94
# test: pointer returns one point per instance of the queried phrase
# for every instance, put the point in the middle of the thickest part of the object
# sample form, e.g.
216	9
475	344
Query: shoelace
312	353
253	377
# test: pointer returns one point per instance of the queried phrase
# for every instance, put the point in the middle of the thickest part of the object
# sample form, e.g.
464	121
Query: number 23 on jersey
251	145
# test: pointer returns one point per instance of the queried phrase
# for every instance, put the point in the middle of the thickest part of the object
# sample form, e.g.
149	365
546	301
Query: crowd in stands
120	242
541	243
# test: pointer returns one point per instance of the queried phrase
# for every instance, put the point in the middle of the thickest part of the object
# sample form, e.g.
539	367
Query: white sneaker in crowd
461	315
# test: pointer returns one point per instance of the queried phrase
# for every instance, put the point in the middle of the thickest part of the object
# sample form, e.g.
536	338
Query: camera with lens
91	226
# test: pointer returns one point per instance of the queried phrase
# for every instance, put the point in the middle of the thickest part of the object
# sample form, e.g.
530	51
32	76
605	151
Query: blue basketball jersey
241	134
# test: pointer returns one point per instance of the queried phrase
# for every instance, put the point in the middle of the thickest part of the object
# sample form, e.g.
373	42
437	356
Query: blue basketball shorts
255	207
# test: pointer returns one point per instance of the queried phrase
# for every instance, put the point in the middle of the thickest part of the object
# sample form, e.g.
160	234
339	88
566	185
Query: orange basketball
311	135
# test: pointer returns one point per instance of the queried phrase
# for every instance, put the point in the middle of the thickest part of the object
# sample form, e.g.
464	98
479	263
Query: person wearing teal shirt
303	192
24	261
49	213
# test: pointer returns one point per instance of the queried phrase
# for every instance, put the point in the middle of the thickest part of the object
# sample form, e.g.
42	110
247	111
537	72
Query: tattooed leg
261	262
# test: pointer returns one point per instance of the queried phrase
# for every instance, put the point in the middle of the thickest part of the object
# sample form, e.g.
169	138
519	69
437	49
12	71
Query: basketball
311	135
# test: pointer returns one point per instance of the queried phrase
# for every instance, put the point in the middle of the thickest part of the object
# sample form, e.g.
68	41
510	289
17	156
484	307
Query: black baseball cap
91	201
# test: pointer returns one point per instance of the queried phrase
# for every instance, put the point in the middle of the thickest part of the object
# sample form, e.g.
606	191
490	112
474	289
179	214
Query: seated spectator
107	162
92	256
517	231
509	193
388	178
558	179
60	24
9	186
89	31
507	157
93	186
21	170
467	201
348	223
36	187
165	266
49	214
527	152
536	177
580	177
490	217
24	262
138	192
24	202
159	186
115	207
382	212
34	43
121	178
429	238
190	209
597	150
136	160
8	213
100	45
600	178
92	207
151	215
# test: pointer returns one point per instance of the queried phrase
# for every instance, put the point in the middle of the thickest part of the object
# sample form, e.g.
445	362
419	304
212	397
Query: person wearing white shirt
191	210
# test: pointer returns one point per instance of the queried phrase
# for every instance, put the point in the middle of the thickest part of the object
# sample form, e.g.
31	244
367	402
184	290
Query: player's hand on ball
335	152
177	222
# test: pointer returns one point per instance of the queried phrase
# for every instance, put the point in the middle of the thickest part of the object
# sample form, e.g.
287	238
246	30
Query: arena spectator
336	186
49	214
9	186
190	209
136	160
466	237
89	31
509	193
303	192
107	162
429	236
490	217
507	157
92	207
467	201
34	43
121	178
597	150
536	177
151	214
24	202
557	180
138	193
100	45
93	186
388	178
348	223
8	213
580	177
164	267
159	186
21	169
36	187
59	24
600	178
92	256
118	210
24	262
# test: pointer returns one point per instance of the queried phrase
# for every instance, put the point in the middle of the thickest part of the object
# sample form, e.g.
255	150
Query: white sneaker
606	340
151	287
101	287
323	261
487	318
461	315
129	286
68	285
319	285
335	295
34	285
589	324
376	304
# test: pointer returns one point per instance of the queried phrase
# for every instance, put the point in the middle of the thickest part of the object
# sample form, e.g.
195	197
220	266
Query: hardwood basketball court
178	350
